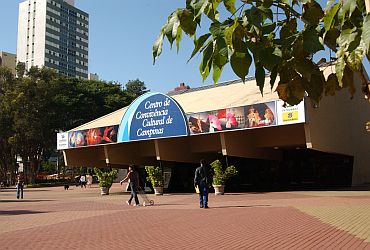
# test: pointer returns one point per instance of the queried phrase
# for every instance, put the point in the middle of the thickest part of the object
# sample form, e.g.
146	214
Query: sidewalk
51	218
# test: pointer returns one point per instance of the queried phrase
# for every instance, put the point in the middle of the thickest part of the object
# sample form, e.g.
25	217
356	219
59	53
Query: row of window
54	3
52	36
53	11
63	65
52	27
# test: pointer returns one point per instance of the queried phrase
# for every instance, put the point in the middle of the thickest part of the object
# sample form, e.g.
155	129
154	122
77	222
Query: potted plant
220	177
155	177
105	180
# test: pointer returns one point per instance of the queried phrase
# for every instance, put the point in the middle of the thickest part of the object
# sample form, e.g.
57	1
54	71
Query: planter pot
158	190
104	190
219	189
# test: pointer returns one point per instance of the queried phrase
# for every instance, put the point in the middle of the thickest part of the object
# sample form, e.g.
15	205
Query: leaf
260	76
169	28
270	57
306	68
348	81
347	37
206	63
311	42
220	53
292	92
282	90
366	33
329	4
198	7
198	44
216	72
187	22
230	5
240	63
349	6
211	11
354	59
268	28
273	76
229	33
330	38
267	12
331	85
312	12
339	69
157	46
217	29
288	29
178	38
329	16
315	86
238	39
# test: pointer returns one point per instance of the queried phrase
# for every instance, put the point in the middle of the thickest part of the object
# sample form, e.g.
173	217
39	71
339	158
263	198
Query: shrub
106	178
155	176
220	177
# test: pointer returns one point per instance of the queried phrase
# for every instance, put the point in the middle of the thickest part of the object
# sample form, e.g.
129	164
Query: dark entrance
300	169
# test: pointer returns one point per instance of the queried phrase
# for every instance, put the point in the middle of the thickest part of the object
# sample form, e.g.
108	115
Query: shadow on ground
240	206
25	201
20	212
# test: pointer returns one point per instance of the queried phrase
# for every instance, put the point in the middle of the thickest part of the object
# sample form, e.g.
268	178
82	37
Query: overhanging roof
206	98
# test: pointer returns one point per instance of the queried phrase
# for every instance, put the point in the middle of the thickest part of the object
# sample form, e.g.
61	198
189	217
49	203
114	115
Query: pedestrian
133	179
89	179
19	186
83	180
203	180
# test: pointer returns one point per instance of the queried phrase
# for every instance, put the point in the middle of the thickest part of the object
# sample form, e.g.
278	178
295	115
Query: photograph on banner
77	139
260	115
198	123
103	135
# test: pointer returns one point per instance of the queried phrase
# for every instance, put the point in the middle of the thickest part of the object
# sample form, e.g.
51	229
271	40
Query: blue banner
153	115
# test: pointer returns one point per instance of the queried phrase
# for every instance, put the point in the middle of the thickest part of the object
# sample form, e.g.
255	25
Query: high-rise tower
55	34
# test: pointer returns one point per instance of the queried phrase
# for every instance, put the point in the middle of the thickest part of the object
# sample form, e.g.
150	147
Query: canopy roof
206	98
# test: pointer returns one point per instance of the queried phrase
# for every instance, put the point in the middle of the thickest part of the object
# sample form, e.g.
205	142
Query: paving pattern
51	218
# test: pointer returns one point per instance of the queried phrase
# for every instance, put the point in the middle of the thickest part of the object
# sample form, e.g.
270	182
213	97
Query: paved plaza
51	218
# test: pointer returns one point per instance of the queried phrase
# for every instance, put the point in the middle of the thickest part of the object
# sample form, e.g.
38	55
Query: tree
280	37
136	87
37	105
7	154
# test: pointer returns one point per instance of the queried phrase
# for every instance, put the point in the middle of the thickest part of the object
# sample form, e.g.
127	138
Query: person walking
19	186
89	179
202	179
133	180
83	180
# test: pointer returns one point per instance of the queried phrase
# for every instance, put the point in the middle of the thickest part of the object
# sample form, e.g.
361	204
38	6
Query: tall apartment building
8	60
55	34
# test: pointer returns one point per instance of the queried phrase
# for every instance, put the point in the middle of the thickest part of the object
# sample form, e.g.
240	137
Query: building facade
55	34
8	60
272	146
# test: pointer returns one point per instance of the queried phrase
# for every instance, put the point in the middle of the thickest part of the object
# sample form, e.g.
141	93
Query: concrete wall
338	125
8	60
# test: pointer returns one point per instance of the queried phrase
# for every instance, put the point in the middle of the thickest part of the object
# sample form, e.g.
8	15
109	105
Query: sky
121	35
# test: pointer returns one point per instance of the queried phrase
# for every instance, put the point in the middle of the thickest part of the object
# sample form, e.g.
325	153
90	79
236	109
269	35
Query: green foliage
136	88
155	176
106	178
282	37
219	176
39	103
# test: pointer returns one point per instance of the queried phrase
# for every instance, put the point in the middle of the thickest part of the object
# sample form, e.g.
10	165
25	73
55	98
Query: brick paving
51	218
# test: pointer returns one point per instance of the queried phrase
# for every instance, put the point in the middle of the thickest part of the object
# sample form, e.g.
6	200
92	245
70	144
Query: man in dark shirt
202	179
19	186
